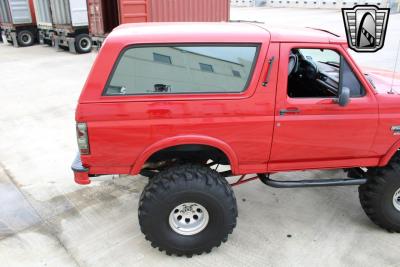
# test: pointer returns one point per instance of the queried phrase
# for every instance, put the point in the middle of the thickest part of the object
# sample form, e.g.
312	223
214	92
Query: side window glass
182	69
319	73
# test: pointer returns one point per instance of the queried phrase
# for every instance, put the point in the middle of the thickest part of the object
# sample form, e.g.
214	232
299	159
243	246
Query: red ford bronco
189	104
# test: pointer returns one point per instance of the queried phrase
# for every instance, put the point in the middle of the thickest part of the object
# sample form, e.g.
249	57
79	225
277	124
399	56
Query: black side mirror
344	97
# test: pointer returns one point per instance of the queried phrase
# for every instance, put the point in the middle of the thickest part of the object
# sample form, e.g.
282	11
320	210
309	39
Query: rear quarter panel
122	129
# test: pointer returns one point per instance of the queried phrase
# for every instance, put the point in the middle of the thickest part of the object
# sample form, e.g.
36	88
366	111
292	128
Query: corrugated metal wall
189	10
173	10
20	11
60	12
4	12
133	11
79	14
42	11
159	10
69	12
16	12
95	15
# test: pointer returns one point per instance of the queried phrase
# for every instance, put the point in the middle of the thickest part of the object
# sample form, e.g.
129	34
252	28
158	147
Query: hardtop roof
241	32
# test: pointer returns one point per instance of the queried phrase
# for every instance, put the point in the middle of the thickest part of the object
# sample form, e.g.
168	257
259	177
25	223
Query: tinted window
182	69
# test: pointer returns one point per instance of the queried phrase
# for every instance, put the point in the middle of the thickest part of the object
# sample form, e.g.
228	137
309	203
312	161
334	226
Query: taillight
82	137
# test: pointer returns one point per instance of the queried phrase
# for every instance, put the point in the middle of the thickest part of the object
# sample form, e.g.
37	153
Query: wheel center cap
187	213
188	218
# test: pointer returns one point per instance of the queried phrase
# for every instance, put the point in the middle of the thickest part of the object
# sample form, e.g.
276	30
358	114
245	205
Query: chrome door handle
291	110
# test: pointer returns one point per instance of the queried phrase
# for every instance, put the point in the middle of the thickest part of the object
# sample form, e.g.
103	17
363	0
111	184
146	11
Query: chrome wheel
396	199
188	218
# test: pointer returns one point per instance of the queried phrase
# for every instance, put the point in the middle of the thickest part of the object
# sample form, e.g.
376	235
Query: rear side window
182	69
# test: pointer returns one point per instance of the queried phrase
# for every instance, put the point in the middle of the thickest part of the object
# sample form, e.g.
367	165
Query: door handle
289	110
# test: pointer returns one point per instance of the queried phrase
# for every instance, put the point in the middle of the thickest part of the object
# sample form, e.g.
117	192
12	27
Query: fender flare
386	158
185	140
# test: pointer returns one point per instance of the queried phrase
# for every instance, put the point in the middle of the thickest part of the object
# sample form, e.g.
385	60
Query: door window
320	73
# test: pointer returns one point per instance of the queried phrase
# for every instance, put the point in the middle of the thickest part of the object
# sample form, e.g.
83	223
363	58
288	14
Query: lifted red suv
188	104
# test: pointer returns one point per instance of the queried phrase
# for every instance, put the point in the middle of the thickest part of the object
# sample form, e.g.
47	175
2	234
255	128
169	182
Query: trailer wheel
83	43
25	38
380	196
187	209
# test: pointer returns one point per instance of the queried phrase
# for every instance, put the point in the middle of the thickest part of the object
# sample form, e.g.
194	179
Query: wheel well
193	153
393	151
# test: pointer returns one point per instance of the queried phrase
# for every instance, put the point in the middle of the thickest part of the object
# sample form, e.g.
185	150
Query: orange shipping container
104	15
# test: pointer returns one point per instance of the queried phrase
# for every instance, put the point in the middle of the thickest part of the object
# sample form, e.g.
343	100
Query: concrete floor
47	220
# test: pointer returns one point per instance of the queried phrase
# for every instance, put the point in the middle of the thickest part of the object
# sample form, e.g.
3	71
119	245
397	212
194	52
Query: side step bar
310	183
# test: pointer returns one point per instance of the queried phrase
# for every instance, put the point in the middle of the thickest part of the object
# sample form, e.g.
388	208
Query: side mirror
344	97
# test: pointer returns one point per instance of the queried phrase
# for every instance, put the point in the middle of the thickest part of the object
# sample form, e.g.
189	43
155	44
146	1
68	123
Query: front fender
185	140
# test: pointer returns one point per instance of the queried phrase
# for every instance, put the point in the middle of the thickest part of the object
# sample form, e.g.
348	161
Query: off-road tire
181	184
376	196
83	43
25	38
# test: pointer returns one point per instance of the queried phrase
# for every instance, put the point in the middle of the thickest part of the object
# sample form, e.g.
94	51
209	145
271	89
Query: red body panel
124	131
